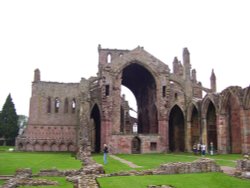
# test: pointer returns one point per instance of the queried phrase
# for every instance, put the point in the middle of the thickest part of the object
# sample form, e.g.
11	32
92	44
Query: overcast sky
61	38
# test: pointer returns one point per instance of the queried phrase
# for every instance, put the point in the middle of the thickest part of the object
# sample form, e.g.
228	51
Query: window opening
175	96
163	91
57	105
107	90
109	58
73	105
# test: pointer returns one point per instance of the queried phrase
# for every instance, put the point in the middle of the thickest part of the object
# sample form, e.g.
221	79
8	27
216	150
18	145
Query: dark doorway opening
95	130
211	126
136	145
176	130
195	127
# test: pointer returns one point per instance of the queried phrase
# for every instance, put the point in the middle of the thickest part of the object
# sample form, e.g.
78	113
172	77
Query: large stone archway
195	127
176	130
211	125
142	84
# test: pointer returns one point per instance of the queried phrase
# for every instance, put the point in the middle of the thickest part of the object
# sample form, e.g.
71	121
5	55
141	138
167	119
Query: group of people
201	149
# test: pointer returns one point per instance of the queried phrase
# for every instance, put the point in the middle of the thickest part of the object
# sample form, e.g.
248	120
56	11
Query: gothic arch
45	146
29	146
143	85
246	98
63	146
231	108
95	129
193	116
176	129
226	93
209	111
205	103
37	146
71	147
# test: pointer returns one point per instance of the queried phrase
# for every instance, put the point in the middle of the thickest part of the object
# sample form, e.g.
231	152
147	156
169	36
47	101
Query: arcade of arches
174	110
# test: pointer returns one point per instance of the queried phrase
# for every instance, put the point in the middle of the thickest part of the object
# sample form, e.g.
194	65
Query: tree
9	121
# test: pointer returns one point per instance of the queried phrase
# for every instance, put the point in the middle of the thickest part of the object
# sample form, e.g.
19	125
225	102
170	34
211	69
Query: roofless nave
172	114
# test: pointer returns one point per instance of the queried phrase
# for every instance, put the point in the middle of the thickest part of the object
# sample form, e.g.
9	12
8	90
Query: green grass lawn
61	180
201	180
1	182
150	161
112	166
10	161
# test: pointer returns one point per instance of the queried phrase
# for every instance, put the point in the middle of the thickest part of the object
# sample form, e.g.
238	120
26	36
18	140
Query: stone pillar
204	131
221	134
163	132
106	132
245	145
188	144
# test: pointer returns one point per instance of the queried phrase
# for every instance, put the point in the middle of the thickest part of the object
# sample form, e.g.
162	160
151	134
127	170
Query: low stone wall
198	166
56	172
23	177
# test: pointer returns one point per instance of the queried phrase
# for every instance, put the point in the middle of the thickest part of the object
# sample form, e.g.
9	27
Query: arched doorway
136	145
233	125
176	130
211	126
195	127
95	129
142	84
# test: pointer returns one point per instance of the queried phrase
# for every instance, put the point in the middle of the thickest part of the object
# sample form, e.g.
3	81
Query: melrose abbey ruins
174	110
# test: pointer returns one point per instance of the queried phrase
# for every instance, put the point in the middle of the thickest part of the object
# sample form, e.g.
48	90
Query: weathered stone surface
172	113
243	168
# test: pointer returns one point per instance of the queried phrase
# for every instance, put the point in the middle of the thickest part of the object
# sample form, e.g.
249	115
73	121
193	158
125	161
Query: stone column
163	132
188	144
204	131
222	134
245	145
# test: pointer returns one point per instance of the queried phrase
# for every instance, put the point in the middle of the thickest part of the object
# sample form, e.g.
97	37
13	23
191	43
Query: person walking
105	153
195	149
203	149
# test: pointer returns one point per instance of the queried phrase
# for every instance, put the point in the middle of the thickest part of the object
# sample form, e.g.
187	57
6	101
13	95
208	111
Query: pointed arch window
109	57
57	105
73	105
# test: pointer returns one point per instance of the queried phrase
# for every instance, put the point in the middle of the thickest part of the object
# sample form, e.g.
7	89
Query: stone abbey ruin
172	113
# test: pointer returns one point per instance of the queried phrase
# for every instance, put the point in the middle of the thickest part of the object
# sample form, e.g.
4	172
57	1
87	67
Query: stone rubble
243	167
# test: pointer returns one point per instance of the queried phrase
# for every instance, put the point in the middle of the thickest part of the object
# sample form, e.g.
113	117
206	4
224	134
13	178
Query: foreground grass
150	161
10	161
112	166
61	180
1	182
202	180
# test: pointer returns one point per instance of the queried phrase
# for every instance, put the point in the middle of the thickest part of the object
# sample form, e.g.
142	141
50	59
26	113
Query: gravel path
130	164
